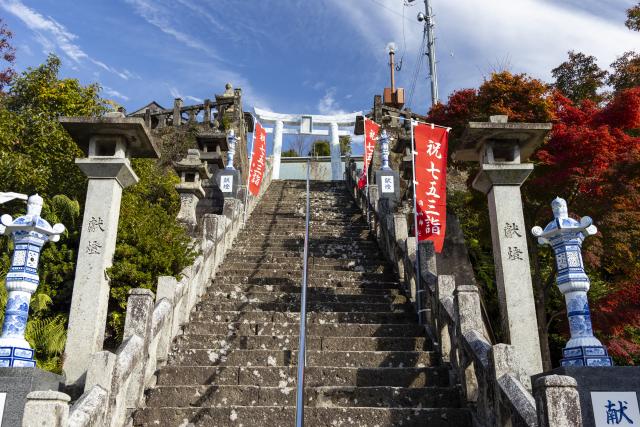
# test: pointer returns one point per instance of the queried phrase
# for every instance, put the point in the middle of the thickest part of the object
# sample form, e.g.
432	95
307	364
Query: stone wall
491	378
115	382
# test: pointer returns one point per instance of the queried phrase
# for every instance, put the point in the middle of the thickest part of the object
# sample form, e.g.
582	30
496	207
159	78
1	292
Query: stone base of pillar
596	383
16	384
388	186
229	182
586	356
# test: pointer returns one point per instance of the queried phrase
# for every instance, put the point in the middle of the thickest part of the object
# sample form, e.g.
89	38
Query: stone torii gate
307	124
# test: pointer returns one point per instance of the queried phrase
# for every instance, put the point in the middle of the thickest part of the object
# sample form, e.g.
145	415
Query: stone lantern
29	234
228	179
388	180
500	147
192	171
108	142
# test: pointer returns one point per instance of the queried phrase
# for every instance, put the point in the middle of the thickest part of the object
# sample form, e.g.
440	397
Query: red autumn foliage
592	159
7	54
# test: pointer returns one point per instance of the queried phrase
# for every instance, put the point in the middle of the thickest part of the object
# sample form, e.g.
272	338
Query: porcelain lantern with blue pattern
29	234
565	235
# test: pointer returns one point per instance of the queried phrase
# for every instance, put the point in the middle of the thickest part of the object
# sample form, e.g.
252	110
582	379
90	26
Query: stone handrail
495	388
115	382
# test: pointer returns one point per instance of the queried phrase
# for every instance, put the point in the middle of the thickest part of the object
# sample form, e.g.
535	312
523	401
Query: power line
382	5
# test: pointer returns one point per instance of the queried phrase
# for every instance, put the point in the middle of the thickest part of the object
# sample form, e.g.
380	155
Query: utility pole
429	30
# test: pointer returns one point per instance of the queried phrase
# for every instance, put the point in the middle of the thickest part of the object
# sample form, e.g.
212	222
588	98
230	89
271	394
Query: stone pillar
108	141
336	153
557	401
277	148
511	257
499	147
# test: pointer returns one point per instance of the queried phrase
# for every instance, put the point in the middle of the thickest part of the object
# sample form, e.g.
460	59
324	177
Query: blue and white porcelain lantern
384	150
565	235
29	234
232	139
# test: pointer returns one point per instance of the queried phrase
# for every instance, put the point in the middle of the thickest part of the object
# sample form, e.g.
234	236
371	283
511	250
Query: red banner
371	130
258	158
431	182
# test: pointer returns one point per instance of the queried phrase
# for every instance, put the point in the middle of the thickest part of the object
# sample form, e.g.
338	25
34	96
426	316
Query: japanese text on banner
371	130
431	182
258	158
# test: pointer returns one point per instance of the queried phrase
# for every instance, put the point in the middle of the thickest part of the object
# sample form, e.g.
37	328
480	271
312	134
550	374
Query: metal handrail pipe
303	317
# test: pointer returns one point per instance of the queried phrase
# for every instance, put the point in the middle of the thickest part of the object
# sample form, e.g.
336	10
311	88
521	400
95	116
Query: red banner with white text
431	182
371	130
258	158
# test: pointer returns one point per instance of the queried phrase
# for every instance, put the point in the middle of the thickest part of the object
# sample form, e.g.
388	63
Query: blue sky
303	56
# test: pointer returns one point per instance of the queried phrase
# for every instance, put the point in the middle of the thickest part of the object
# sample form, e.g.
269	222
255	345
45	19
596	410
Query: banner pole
415	228
366	163
246	190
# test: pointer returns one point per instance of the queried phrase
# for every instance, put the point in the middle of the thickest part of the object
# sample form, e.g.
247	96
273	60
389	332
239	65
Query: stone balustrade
492	380
115	382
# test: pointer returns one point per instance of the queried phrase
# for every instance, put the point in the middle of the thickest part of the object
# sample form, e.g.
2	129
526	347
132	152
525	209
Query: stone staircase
368	361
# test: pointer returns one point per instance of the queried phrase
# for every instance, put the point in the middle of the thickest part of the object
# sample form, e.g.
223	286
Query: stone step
249	233
311	282
296	256
285	395
313	376
290	342
316	417
230	274
293	261
313	329
311	291
312	306
330	245
234	357
281	297
312	318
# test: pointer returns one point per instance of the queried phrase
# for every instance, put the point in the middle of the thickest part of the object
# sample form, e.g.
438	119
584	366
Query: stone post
177	113
277	148
499	147
138	322
336	153
46	408
566	235
108	142
192	171
557	401
29	234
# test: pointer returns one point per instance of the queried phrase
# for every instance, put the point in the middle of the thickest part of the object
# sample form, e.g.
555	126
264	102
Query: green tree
345	144
290	153
579	77
320	147
37	156
626	72
633	18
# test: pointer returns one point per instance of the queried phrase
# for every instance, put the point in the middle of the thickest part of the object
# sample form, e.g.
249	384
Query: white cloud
194	99
473	37
156	16
328	104
50	34
114	93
